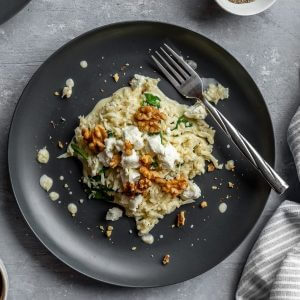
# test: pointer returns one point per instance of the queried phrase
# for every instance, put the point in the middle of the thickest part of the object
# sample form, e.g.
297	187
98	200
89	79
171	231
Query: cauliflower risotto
141	150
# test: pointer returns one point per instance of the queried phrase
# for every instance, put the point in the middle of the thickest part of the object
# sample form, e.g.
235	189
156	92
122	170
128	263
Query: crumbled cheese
83	64
134	136
67	92
169	157
133	248
114	214
130	175
196	111
161	236
214	93
70	83
46	182
61	178
131	161
148	238
222	207
155	144
230	165
72	208
43	156
214	187
54	196
230	184
130	231
135	202
81	200
191	192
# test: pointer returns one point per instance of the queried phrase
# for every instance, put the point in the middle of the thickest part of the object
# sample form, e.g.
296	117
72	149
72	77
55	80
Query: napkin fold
272	270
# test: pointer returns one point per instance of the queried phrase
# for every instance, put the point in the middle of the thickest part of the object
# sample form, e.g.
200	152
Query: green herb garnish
100	193
110	133
151	100
154	165
184	120
79	151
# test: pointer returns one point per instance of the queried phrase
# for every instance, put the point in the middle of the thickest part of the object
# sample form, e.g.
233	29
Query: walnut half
95	138
148	119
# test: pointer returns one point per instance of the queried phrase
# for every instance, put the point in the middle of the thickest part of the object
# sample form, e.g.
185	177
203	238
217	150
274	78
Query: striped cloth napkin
272	270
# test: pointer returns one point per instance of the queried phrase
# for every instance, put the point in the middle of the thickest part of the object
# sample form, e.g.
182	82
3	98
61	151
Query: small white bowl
246	9
4	279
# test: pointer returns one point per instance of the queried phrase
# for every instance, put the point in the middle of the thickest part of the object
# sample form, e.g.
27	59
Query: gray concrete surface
268	45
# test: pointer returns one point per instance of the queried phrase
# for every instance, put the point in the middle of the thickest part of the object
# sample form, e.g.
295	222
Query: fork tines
173	66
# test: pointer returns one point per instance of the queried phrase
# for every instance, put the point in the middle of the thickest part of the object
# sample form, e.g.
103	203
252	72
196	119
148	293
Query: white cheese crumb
67	92
214	187
170	157
192	226
43	156
130	231
135	202
228	146
54	196
72	208
230	165
191	192
222	207
81	200
148	238
114	214
46	182
131	161
83	64
161	236
116	77
66	185
70	193
155	144
133	248
61	178
70	83
134	136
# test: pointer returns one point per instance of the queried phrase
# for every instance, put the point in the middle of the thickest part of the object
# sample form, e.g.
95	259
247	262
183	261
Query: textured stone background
267	45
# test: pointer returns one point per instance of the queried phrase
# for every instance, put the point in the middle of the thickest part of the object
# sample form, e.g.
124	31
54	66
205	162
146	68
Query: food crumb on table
166	259
43	156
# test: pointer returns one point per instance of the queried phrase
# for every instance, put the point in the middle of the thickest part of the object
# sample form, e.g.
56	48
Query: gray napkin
272	270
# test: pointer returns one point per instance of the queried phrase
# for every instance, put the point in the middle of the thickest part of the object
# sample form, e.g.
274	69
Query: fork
189	84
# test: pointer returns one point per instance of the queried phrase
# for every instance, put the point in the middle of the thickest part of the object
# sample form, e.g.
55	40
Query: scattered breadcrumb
60	144
116	77
228	146
230	165
61	178
166	259
181	218
214	187
173	225
133	248
101	228
203	204
130	231
210	167
81	200
230	184
109	231
56	94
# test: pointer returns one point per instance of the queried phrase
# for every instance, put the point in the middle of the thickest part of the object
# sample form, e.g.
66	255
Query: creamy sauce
83	64
54	196
222	208
72	208
43	156
46	182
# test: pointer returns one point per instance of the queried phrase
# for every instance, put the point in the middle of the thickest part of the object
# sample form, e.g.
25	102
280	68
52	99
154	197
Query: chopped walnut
60	144
173	186
166	259
203	204
143	185
181	219
129	189
210	167
95	138
151	175
146	160
148	119
109	231
128	148
115	161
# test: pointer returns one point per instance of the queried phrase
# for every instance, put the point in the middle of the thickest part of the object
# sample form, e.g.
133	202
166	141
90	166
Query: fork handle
270	175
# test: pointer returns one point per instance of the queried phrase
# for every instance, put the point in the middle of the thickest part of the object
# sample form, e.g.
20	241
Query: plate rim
10	160
12	14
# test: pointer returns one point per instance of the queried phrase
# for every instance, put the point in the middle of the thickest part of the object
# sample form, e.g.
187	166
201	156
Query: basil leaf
184	120
79	151
152	100
154	165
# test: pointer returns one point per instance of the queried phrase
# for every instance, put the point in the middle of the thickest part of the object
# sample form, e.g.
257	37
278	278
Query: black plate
8	8
78	241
